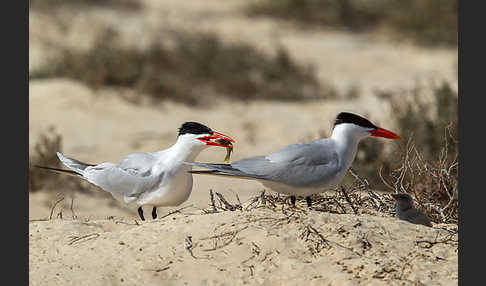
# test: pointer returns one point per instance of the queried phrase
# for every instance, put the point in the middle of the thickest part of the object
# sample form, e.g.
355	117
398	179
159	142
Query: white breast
174	189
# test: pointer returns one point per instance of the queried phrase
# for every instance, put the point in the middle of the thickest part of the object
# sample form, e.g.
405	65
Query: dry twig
211	197
429	244
122	222
231	234
84	238
227	205
55	204
74	216
349	200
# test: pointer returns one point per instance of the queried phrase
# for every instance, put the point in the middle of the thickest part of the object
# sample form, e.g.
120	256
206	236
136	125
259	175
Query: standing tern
150	178
307	168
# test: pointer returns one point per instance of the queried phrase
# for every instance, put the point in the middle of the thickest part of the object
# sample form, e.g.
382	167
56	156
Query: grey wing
131	177
415	216
301	165
139	164
306	164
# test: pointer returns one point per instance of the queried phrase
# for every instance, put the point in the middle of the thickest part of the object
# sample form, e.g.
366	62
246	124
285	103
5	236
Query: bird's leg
309	201
292	200
154	213
140	213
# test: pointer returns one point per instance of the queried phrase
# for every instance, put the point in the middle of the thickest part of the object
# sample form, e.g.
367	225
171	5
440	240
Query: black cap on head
346	117
402	196
194	128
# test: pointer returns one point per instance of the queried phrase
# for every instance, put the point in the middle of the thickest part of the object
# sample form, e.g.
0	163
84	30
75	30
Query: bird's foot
292	201
308	200
154	213
140	213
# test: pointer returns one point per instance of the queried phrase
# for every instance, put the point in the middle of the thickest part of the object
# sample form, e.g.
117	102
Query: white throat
346	138
185	149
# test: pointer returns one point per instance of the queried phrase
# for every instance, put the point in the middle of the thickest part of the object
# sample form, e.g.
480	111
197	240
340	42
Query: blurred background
113	77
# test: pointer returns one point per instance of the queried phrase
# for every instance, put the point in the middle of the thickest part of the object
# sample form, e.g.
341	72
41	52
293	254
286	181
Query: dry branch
55	204
349	200
227	205
231	234
74	216
84	238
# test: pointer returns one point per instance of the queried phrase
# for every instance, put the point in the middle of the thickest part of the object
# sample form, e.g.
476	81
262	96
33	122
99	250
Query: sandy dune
262	246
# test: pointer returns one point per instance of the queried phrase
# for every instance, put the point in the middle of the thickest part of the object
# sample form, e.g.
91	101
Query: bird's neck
183	150
346	146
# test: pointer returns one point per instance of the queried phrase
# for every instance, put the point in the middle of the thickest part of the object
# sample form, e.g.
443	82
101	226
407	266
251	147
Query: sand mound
261	246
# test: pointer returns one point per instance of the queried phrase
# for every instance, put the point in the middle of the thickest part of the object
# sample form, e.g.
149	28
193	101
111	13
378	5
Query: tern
405	210
304	169
150	178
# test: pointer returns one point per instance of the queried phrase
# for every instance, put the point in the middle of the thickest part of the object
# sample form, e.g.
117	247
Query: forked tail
62	171
77	167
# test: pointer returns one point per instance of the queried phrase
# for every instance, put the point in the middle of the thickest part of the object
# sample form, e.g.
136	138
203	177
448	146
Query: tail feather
62	171
75	165
218	173
221	170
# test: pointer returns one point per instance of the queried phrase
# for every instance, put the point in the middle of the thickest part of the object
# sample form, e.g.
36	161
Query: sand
106	243
262	246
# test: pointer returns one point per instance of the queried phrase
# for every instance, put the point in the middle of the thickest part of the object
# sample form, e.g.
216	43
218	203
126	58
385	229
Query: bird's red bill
220	139
380	132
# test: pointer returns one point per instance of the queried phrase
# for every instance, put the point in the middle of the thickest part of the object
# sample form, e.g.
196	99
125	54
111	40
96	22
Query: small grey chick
406	211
